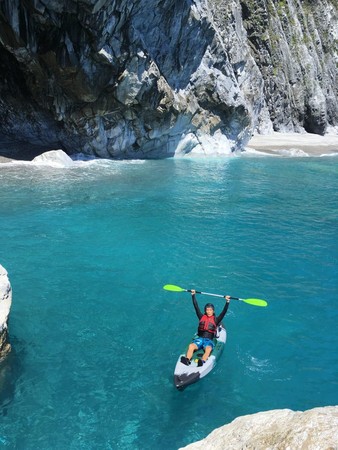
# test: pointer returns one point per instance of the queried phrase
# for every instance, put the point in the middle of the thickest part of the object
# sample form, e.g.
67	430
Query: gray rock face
294	44
315	429
5	306
144	79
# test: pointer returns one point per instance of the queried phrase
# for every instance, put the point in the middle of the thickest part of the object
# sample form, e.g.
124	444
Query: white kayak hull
185	375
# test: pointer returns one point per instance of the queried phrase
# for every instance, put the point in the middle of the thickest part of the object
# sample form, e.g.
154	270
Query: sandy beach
294	144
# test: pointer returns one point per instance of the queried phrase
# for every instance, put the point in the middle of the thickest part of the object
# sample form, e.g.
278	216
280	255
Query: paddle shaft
214	295
207	293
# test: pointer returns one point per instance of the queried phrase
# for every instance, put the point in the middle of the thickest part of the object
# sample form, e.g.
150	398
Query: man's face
209	311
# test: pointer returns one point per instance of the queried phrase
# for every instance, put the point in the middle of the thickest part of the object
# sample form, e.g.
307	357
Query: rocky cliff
315	429
5	306
143	79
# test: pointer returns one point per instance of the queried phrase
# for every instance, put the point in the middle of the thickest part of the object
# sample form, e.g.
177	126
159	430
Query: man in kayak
207	328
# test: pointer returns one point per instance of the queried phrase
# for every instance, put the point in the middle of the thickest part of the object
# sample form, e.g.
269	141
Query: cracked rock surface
153	79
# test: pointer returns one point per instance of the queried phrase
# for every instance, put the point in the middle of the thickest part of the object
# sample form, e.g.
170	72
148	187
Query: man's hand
227	297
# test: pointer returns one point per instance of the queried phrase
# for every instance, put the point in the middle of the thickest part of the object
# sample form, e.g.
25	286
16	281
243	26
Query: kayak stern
185	379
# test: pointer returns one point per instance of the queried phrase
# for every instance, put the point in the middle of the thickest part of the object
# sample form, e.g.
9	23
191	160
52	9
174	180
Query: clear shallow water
95	338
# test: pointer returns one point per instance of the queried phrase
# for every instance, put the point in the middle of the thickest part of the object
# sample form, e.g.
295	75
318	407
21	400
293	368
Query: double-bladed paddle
250	301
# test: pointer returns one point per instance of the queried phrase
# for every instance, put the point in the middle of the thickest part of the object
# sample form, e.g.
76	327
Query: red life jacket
207	324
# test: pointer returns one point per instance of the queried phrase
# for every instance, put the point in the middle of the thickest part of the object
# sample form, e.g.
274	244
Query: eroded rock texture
5	306
283	429
154	78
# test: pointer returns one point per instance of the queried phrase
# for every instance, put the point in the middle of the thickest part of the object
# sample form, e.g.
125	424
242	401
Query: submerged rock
5	306
283	429
140	79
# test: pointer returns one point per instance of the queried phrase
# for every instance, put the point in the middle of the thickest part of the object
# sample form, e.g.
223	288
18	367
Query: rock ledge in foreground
5	306
281	429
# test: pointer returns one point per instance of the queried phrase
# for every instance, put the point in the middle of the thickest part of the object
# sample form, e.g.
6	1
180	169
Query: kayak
185	375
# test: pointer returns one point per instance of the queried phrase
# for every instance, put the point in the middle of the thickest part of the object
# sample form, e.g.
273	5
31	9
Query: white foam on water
292	152
253	152
329	154
82	158
284	153
58	159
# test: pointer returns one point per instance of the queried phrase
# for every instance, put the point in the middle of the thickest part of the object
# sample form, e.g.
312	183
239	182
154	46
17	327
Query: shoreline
293	144
274	144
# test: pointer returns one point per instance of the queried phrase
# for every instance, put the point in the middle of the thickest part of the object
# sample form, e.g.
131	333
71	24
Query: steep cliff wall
143	78
295	46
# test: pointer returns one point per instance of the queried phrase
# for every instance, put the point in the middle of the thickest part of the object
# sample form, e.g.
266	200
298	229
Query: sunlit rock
5	306
283	429
54	158
133	79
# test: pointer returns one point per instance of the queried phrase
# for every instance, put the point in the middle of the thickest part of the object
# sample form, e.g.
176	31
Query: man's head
209	309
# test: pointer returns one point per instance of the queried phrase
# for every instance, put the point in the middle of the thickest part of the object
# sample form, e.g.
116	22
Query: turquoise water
95	337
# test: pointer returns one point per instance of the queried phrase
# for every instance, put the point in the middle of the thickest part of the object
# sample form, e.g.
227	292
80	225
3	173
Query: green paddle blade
173	288
255	301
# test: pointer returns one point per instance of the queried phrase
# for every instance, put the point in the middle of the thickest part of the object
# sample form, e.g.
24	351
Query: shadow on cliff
21	117
53	70
22	150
